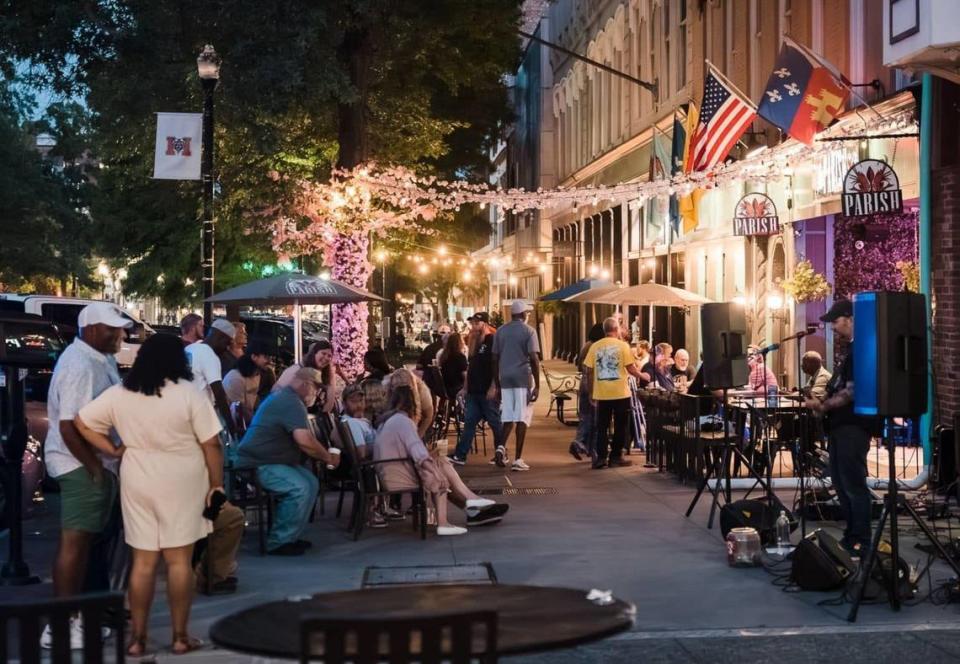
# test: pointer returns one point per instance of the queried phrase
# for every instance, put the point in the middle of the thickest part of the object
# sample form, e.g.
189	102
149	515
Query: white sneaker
519	464
451	530
76	635
473	507
500	456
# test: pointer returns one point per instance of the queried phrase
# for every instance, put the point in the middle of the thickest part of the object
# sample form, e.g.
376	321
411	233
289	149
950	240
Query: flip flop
185	644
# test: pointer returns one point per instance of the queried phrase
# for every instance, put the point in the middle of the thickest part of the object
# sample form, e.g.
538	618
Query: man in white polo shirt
88	481
204	359
516	362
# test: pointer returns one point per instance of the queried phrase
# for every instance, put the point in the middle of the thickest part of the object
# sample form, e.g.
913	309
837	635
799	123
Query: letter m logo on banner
175	154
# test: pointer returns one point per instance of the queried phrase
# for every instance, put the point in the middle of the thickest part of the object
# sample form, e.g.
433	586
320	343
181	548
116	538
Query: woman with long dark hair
320	357
172	466
453	365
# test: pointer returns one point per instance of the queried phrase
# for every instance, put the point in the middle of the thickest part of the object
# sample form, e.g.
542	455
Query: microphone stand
802	432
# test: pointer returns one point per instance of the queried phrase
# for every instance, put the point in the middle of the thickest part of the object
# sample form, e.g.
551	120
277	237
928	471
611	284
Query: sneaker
287	549
76	635
476	504
500	456
451	530
376	521
457	461
623	463
577	451
393	515
488	515
519	464
599	464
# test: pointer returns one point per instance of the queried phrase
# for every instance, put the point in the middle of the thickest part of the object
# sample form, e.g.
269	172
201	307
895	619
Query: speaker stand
893	500
720	469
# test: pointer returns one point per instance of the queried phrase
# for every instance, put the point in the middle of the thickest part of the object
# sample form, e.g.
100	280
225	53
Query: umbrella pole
297	333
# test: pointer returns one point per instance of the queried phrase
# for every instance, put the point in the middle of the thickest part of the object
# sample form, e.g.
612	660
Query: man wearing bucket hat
88	484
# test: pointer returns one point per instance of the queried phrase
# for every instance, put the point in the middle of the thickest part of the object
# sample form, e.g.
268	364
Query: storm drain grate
474	573
517	491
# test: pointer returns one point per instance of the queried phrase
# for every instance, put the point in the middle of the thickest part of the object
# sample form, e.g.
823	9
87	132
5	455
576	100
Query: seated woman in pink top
398	438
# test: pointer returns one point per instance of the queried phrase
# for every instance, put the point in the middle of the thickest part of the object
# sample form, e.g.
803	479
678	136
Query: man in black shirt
849	436
479	393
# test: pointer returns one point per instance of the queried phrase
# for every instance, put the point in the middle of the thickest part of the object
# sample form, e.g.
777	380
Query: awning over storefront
577	287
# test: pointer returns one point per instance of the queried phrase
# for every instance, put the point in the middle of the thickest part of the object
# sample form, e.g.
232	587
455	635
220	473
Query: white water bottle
783	531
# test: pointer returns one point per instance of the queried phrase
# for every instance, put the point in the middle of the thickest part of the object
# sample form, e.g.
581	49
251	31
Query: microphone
767	349
812	328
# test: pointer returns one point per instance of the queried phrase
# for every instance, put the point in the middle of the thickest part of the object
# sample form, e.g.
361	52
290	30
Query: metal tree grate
475	573
516	491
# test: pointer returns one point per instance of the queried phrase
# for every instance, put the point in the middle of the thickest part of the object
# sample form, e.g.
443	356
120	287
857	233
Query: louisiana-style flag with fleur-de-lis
804	94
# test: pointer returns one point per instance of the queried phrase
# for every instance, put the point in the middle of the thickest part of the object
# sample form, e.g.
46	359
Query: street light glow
381	256
775	301
593	270
325	275
605	274
208	64
423	268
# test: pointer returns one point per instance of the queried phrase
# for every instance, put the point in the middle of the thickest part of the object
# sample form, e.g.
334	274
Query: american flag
724	116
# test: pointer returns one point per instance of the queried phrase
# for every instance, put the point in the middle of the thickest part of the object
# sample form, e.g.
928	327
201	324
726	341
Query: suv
64	312
275	335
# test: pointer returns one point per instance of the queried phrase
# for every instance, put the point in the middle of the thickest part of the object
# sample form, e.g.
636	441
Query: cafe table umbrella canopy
296	289
651	294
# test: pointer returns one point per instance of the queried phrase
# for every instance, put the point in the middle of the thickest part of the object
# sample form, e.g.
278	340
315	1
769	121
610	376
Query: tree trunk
349	332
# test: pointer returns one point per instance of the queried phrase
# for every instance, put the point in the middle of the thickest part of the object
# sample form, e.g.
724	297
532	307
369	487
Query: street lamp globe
208	64
774	301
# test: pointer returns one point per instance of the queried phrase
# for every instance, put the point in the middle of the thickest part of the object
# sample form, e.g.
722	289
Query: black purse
217	501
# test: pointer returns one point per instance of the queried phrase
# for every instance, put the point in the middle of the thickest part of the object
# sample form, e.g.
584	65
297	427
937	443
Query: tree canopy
432	97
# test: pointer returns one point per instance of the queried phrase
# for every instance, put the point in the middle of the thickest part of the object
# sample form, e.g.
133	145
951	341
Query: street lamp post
208	67
384	322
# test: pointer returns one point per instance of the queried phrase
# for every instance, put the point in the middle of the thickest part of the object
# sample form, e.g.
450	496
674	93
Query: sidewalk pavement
620	529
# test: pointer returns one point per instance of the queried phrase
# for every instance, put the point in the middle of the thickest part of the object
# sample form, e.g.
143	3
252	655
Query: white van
64	312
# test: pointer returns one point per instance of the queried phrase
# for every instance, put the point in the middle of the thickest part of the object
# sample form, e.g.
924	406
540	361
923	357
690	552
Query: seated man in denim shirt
279	433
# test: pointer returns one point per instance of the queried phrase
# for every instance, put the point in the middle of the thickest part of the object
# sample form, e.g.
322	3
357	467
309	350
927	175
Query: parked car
275	334
64	312
36	343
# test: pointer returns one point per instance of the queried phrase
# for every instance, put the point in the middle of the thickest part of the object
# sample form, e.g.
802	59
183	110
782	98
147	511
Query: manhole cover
516	491
476	573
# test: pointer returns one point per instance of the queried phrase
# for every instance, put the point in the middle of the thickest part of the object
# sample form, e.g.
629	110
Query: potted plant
806	284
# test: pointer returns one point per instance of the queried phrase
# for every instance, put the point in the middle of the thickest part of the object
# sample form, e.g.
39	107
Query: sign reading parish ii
871	186
756	214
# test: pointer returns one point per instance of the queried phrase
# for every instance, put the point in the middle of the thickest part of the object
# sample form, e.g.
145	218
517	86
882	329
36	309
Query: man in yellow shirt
608	364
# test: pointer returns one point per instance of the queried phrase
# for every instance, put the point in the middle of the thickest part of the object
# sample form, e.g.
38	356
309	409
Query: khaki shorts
85	504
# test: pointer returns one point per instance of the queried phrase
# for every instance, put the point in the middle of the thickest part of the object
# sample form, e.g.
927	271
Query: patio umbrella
595	294
296	289
652	294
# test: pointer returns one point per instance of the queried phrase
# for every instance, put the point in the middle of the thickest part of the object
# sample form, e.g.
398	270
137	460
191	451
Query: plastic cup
335	451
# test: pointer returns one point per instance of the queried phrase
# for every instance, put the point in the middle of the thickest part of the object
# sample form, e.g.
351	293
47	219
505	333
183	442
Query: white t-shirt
205	366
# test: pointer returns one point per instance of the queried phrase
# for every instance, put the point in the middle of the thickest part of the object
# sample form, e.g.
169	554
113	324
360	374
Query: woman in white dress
171	467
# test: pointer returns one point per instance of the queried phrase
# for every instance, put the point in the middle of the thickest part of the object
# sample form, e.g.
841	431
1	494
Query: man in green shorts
88	483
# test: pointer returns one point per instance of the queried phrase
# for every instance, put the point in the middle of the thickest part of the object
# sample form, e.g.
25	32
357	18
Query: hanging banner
755	214
871	186
177	151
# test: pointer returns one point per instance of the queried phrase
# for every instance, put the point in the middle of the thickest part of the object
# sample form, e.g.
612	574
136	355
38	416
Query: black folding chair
367	488
458	638
96	610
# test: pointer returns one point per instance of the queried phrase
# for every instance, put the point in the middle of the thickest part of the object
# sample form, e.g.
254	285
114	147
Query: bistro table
530	618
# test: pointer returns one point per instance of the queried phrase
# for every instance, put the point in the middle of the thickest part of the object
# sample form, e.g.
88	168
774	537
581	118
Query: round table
531	618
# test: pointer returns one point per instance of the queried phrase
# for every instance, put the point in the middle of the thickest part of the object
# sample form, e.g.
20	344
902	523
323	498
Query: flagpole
829	66
745	98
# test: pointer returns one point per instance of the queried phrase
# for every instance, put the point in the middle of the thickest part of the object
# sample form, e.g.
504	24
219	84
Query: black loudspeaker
820	563
723	326
890	354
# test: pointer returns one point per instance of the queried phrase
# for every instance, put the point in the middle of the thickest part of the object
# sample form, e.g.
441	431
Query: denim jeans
476	408
586	430
296	489
849	446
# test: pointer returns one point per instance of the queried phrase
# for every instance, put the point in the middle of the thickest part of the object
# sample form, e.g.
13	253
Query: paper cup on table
335	451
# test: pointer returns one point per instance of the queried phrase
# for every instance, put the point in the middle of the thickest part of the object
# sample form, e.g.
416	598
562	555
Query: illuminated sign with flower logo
756	214
871	186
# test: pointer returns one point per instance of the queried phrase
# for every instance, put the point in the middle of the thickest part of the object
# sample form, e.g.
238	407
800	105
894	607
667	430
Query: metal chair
562	389
366	486
96	610
458	638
